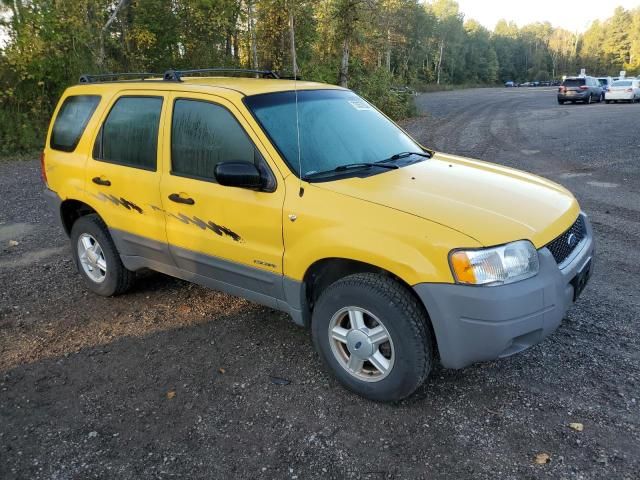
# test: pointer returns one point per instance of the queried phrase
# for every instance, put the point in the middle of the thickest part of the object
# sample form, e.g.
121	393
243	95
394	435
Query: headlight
496	265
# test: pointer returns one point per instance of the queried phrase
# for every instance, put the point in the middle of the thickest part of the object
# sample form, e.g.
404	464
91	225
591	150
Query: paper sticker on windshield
360	105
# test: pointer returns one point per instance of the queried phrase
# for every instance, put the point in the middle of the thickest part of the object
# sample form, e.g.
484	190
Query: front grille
562	246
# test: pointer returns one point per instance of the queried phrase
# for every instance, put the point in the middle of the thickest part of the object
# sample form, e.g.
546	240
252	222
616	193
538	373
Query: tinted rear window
71	121
573	82
129	135
622	83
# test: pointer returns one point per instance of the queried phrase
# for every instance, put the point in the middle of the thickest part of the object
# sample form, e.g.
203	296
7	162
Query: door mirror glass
238	174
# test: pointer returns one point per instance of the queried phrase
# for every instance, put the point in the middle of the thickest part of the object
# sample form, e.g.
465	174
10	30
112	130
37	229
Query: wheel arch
71	210
324	272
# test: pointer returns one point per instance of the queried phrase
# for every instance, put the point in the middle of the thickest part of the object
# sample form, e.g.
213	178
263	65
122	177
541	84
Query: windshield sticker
360	105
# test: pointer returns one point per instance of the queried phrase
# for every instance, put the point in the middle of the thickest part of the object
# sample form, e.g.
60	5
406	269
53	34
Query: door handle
175	197
101	181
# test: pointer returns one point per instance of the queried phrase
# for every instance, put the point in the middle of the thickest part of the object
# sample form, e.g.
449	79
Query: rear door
123	173
232	235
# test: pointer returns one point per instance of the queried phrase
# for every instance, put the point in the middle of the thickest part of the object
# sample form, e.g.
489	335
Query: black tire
117	278
402	316
560	102
601	97
588	100
607	102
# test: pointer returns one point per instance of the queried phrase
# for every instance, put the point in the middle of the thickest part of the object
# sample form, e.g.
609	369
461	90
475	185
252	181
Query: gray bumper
53	202
474	324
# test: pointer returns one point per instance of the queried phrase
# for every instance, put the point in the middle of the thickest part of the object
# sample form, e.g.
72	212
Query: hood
490	203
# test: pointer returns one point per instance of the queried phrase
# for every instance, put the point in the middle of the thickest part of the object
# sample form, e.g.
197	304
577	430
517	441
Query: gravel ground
173	380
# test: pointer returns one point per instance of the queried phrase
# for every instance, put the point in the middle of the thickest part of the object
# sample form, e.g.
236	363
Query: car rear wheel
560	102
372	334
607	102
601	97
588	100
97	258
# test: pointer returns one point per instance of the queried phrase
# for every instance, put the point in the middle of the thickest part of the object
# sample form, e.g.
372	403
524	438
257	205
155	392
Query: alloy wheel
92	258
361	344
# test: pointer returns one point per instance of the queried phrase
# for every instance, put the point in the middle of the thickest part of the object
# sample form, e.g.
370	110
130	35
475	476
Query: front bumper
474	324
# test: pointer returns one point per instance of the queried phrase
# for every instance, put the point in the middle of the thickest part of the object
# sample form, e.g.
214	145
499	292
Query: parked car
510	83
580	89
627	90
605	83
526	84
388	251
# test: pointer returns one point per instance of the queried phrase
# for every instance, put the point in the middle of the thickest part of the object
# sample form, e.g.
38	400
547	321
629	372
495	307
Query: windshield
337	128
603	81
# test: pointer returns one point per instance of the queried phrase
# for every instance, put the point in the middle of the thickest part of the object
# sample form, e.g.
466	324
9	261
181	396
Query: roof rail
114	77
176	75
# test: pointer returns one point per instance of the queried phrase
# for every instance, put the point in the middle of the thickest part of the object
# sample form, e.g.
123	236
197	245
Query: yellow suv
305	198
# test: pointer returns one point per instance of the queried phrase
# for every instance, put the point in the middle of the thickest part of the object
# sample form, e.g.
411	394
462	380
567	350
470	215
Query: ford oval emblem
572	240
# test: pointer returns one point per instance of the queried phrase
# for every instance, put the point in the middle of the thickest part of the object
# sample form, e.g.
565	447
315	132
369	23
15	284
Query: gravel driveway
176	381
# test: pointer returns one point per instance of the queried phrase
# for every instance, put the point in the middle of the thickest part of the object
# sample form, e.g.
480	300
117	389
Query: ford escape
304	197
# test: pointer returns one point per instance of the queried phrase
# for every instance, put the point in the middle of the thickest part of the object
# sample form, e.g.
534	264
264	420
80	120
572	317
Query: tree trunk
388	52
236	47
343	77
252	32
439	69
103	32
292	37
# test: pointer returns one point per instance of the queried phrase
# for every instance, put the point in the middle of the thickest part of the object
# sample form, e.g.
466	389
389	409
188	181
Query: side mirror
238	174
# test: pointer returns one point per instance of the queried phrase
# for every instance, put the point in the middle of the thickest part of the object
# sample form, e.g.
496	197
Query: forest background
375	47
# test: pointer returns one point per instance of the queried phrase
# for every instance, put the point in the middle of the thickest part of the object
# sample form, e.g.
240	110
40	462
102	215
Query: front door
123	174
231	235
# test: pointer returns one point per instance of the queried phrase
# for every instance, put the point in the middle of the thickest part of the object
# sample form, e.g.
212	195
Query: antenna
295	89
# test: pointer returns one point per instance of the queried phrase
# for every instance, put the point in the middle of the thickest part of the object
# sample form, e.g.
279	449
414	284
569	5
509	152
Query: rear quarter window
71	121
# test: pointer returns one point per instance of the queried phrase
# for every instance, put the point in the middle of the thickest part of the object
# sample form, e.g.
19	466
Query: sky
574	16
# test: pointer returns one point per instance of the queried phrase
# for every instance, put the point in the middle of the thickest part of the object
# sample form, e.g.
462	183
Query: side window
71	121
204	134
129	135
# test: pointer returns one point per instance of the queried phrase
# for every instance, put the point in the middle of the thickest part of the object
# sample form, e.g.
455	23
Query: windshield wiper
349	166
400	155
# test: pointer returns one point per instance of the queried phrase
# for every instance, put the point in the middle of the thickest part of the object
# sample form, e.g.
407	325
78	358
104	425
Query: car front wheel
373	335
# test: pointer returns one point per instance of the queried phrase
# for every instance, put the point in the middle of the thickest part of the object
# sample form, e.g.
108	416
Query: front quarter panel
323	224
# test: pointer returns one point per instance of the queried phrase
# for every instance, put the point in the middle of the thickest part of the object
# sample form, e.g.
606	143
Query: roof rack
176	75
114	77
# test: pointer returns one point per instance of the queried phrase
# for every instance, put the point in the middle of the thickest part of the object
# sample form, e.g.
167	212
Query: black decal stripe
214	227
